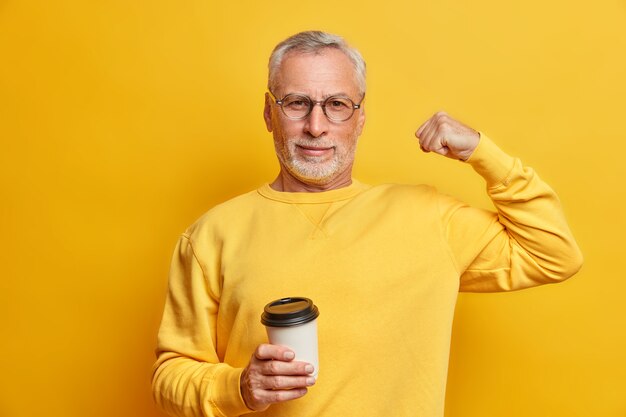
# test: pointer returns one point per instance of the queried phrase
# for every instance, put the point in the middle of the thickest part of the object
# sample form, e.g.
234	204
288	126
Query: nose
316	123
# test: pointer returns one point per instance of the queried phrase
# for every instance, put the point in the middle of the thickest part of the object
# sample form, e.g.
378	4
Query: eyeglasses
298	106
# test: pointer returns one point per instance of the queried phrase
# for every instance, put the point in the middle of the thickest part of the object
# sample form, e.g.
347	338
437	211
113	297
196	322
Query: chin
314	175
312	179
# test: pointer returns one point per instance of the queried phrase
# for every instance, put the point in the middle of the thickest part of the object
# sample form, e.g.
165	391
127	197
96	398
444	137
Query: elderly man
384	264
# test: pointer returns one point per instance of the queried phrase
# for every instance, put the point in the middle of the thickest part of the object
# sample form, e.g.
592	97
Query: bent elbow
569	265
577	263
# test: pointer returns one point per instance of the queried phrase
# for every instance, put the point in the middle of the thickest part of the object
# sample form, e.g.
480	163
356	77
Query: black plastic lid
290	311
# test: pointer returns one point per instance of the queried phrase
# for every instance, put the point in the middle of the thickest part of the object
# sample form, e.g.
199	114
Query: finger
439	143
423	128
442	150
420	130
437	134
282	382
429	135
277	396
286	368
276	352
421	135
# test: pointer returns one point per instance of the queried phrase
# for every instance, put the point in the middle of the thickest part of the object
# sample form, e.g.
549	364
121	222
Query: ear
267	112
360	121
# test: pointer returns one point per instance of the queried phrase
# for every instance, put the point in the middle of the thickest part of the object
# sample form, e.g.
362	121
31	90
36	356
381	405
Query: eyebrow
325	96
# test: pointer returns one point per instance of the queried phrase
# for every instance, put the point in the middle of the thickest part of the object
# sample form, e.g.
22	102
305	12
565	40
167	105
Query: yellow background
121	122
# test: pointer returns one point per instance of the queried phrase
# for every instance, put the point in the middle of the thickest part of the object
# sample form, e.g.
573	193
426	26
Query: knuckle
273	367
273	383
277	396
257	396
256	372
254	377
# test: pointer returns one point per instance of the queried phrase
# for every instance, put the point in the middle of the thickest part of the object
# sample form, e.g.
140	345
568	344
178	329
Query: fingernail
310	381
309	369
289	355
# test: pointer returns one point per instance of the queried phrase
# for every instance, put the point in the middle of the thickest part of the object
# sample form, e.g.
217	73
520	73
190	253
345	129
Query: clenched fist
448	137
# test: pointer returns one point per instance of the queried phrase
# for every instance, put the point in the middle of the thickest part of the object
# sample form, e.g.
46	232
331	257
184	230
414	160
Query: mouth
315	150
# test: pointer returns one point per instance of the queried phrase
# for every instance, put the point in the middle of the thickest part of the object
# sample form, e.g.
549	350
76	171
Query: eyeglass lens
335	108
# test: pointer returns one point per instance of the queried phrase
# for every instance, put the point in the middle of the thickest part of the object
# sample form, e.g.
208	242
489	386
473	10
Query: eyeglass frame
322	104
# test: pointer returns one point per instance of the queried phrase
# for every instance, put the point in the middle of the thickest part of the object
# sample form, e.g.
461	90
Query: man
384	264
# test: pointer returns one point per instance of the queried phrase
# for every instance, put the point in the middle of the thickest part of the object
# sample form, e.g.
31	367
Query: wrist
491	162
467	154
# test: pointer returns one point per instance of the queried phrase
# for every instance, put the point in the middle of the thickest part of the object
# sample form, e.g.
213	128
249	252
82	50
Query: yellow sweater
384	265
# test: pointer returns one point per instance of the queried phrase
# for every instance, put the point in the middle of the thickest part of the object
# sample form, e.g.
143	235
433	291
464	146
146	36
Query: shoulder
223	214
410	197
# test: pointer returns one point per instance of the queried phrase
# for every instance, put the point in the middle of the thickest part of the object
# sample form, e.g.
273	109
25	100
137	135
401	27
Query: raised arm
526	242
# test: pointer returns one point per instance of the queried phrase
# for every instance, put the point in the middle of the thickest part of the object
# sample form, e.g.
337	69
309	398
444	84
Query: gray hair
313	42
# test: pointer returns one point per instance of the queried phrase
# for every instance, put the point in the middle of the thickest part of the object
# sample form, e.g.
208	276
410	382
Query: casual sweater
384	265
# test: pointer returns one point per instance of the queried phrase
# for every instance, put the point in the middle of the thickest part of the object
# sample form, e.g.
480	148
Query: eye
296	103
338	104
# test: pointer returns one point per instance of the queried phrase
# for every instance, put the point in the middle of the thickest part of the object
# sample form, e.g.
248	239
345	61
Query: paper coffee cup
292	322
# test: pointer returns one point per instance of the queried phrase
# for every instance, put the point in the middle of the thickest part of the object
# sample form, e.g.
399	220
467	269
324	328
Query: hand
272	376
448	137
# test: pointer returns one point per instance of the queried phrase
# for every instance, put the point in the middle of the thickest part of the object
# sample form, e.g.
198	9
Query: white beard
315	169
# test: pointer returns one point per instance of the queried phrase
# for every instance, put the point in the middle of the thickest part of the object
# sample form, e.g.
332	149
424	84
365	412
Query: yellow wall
122	121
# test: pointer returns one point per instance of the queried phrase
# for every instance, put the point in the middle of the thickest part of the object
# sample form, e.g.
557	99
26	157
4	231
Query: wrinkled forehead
325	72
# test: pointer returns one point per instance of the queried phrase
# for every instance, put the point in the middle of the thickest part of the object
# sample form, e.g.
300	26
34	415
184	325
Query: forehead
327	72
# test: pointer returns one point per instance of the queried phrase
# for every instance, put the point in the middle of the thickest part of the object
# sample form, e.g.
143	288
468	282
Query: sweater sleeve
188	377
526	243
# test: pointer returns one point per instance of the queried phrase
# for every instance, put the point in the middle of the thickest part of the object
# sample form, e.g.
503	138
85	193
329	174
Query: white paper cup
292	322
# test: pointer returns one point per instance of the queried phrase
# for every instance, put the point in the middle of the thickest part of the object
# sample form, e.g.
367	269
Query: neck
288	183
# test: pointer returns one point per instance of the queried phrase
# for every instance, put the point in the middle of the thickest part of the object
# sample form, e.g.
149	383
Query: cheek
288	131
350	135
279	142
281	137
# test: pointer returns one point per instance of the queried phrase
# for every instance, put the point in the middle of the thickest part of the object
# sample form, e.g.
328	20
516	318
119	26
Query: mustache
314	143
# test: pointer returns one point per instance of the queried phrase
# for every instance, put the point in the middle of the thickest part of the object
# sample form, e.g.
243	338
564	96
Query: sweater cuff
226	393
491	162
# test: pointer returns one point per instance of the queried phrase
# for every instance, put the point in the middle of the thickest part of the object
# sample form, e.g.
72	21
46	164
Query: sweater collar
313	198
